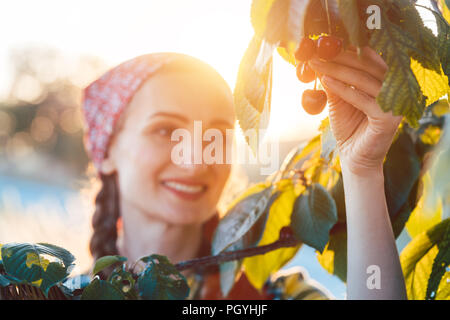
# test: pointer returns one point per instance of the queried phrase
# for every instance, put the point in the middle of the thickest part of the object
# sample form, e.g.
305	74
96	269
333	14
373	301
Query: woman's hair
104	220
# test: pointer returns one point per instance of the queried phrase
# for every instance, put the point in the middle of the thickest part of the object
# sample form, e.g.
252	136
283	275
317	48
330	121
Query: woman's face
141	151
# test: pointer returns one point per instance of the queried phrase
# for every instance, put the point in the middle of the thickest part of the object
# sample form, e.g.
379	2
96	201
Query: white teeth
184	187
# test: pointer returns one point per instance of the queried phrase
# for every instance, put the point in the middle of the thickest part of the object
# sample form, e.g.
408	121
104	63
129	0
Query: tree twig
289	241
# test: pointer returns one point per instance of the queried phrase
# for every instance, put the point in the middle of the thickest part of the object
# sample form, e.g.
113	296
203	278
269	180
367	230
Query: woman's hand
363	131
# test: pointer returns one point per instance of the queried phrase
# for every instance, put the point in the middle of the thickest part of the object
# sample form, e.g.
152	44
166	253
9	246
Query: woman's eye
164	131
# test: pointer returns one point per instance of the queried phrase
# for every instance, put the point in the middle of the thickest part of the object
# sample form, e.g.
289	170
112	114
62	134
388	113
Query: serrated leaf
417	259
433	85
101	290
259	268
400	91
107	261
241	217
443	43
313	216
285	21
252	93
349	11
161	280
425	51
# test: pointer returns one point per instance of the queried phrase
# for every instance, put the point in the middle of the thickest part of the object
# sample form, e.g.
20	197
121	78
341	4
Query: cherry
313	101
305	73
305	50
328	47
286	232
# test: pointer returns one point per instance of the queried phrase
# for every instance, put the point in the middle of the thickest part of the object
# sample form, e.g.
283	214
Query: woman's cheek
222	174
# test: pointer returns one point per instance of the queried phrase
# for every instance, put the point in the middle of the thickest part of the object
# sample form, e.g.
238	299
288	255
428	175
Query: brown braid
104	220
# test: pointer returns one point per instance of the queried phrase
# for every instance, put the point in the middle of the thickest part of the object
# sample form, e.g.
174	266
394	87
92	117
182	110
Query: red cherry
305	73
328	47
305	50
286	233
313	101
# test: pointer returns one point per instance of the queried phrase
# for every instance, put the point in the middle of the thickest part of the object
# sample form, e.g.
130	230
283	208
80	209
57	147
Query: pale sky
215	31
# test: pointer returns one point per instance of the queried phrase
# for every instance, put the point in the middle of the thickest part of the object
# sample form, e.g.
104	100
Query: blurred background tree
40	120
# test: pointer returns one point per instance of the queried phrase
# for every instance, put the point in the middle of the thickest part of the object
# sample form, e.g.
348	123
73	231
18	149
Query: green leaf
101	290
230	271
28	263
440	267
337	192
107	261
425	42
349	12
260	267
124	281
328	141
252	93
401	171
443	43
78	282
334	256
417	260
240	219
313	216
161	280
285	21
4	281
400	91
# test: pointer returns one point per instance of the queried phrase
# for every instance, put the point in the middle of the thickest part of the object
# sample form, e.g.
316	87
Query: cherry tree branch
288	241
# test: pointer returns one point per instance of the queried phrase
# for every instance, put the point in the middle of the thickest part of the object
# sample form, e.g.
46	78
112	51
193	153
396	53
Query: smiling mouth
184	190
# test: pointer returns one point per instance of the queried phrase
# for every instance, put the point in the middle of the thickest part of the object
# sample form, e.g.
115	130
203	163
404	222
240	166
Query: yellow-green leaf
431	135
417	259
258	15
259	268
34	258
433	85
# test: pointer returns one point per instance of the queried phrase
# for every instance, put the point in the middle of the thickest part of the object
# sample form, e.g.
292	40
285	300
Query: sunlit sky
217	32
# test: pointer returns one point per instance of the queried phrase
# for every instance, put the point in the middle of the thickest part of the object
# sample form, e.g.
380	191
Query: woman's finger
357	78
369	61
355	97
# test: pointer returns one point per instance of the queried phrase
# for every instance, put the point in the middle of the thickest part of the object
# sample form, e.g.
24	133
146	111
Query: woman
149	204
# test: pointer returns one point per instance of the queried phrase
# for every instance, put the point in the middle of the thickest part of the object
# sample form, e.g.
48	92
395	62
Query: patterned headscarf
105	99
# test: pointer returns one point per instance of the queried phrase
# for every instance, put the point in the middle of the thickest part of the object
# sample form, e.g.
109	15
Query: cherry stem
315	83
328	16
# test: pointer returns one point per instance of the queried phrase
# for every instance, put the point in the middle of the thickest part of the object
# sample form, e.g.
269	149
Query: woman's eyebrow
216	122
221	122
168	114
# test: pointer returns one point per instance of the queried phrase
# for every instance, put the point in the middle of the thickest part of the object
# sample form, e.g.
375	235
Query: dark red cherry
328	47
305	50
313	101
304	73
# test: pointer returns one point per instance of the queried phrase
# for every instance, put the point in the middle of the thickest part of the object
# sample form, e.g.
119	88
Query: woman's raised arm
364	134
